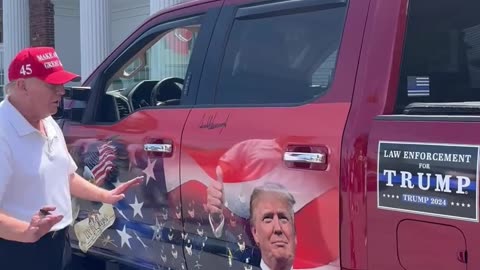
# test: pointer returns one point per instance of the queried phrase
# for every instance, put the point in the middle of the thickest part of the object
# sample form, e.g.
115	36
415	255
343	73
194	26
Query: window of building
441	58
281	57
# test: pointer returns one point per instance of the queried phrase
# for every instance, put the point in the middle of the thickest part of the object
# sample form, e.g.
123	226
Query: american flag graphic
164	233
143	229
418	86
101	162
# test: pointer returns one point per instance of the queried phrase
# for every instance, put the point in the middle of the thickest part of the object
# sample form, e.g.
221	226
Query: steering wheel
167	92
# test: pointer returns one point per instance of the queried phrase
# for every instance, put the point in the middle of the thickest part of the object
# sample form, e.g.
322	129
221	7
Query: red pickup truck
361	116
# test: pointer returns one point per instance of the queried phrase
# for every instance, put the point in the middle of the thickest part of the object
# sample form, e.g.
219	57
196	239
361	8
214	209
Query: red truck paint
340	223
375	89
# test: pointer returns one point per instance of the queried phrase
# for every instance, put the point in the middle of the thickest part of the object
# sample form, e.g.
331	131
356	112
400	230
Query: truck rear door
423	150
140	99
272	107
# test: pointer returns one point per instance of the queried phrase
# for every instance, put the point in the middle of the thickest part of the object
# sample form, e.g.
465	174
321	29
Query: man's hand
117	194
41	223
215	198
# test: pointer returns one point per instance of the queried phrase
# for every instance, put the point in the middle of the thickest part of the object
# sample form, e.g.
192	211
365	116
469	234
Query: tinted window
441	57
287	58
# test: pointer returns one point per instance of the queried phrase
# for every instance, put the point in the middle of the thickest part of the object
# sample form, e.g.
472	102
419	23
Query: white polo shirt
34	169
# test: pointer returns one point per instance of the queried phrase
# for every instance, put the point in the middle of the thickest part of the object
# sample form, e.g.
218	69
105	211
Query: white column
16	30
95	34
156	50
156	5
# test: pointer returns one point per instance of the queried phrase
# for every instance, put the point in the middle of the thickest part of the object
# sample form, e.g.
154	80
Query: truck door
271	111
423	148
139	101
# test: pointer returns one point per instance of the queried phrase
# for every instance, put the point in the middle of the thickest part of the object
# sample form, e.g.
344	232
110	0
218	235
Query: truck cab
364	112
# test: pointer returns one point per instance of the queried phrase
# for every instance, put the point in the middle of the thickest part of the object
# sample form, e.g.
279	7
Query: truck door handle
306	157
316	158
158	147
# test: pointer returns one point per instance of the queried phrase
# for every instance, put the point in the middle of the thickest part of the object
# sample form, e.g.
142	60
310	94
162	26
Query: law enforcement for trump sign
429	179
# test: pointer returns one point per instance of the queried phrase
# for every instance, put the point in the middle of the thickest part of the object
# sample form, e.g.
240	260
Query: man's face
43	98
273	229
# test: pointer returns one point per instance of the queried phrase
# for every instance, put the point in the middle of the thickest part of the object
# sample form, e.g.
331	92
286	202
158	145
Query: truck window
281	57
440	71
166	56
153	76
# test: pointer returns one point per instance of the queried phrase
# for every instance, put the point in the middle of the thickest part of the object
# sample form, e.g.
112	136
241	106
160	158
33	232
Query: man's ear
20	84
254	233
295	232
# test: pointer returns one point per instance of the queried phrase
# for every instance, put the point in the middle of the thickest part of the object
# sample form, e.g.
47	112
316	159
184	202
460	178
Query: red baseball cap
42	63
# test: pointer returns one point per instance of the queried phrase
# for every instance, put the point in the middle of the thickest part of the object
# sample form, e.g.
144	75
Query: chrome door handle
159	148
315	158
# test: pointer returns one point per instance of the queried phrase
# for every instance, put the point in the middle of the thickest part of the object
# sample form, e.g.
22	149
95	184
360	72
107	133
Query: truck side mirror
74	102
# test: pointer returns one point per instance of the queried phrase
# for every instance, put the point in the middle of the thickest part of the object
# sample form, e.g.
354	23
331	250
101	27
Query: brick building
83	32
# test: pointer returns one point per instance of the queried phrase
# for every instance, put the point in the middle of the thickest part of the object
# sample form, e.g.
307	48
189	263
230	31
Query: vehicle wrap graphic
152	227
145	228
254	163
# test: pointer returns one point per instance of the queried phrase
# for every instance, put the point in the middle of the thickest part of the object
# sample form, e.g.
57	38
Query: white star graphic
157	230
156	227
137	207
124	236
148	171
164	257
188	248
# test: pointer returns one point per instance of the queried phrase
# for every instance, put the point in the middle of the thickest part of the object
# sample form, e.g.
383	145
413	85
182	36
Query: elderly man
273	227
37	173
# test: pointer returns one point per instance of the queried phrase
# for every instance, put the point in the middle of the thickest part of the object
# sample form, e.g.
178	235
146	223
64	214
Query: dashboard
122	102
127	100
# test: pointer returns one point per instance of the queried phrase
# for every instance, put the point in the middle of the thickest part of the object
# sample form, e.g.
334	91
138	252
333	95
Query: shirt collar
50	129
263	266
21	125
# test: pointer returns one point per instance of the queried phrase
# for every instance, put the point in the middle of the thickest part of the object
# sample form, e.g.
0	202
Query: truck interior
440	73
152	77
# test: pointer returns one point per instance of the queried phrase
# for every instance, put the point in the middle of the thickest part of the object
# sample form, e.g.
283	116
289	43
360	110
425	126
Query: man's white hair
7	89
276	188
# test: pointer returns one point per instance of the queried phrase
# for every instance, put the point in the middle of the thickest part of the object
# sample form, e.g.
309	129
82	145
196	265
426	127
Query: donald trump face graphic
272	225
